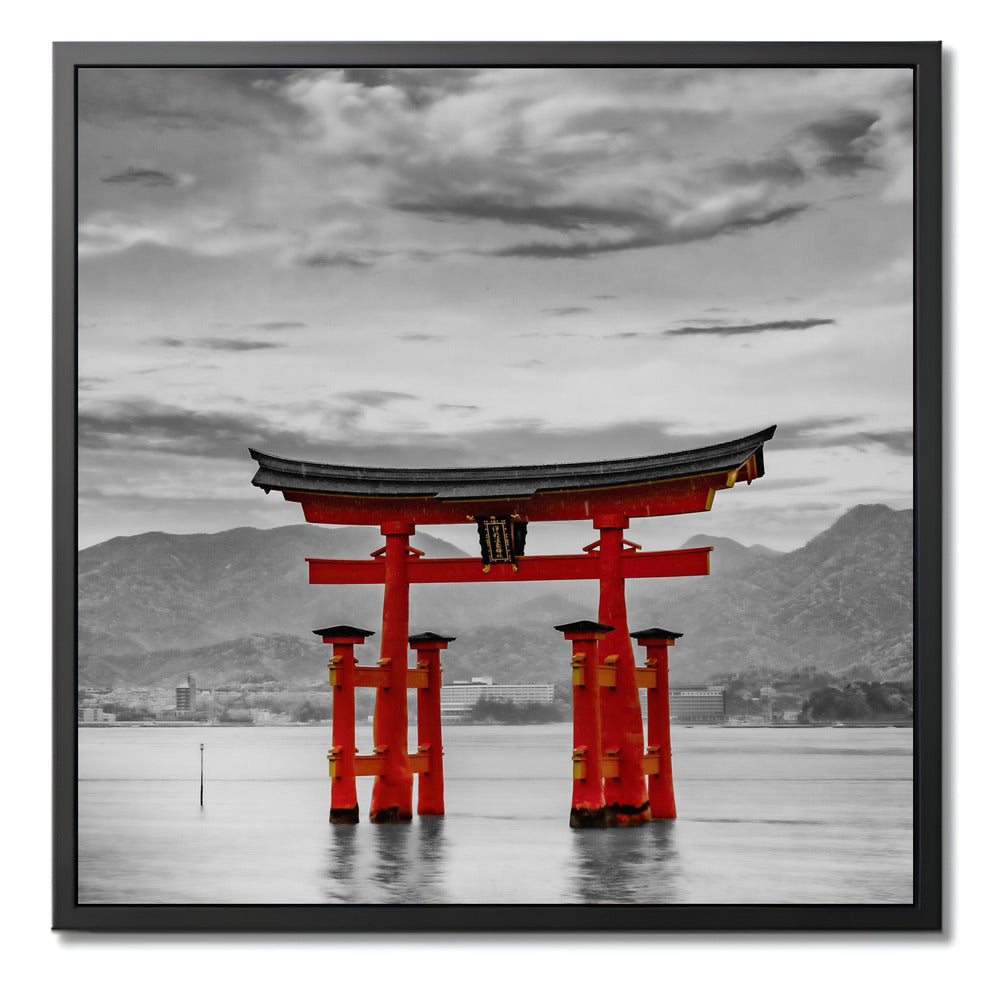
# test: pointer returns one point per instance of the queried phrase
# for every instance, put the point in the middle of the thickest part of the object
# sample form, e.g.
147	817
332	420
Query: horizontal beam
645	677
379	677
635	565
684	495
610	767
372	765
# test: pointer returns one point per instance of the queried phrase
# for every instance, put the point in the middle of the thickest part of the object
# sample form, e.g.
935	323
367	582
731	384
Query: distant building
458	699
186	696
93	715
691	703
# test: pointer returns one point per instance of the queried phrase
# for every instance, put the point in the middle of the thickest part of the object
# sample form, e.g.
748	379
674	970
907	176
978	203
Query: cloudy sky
489	267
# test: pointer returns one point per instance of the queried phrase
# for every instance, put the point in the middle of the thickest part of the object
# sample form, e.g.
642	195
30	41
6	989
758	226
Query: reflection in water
431	843
394	868
342	884
402	861
767	816
626	864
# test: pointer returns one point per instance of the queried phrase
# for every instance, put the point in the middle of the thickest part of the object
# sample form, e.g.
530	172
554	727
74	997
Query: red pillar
621	714
661	784
392	792
344	789
430	785
587	807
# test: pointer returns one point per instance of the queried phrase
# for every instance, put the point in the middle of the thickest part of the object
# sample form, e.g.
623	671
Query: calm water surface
765	816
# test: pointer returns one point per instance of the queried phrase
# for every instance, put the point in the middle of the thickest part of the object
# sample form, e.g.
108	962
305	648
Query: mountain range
236	605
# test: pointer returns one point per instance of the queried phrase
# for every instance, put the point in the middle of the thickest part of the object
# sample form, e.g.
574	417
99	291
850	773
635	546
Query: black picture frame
926	911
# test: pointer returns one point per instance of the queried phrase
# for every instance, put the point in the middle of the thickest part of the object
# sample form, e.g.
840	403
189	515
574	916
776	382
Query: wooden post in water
343	753
201	787
588	788
430	784
661	781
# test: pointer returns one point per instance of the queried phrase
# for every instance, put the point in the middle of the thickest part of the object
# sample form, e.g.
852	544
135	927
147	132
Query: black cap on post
343	632
584	626
422	637
655	633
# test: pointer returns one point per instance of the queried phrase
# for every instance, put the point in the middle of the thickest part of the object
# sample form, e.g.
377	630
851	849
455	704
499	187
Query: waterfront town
264	701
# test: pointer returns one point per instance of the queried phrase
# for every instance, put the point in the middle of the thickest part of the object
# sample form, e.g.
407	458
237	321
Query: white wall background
958	963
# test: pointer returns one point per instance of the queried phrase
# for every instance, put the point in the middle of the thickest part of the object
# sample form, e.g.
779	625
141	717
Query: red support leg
392	793
343	783
661	784
430	785
588	792
621	714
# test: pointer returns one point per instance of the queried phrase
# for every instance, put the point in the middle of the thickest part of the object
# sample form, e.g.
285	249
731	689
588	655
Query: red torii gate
610	767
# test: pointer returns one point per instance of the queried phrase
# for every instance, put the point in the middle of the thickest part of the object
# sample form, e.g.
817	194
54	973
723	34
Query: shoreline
902	724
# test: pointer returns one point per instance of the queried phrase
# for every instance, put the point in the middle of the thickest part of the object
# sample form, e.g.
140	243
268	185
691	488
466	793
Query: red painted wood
621	717
344	790
392	790
430	785
661	785
634	565
674	496
587	807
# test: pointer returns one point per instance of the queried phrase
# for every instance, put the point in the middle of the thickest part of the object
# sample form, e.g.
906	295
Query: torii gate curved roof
676	482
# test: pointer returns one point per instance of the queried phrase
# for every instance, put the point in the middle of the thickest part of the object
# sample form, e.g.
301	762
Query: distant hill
842	603
729	556
226	606
157	591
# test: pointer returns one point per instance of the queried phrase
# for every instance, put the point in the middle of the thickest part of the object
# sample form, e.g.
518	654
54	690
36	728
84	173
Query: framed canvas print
497	486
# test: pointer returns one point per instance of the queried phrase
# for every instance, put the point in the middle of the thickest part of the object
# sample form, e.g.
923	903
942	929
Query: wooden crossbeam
372	765
380	677
610	766
635	565
607	675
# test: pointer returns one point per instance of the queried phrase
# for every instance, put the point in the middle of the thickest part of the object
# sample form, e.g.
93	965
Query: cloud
563	217
279	324
721	328
323	259
846	143
184	99
421	87
215	343
699	224
419	337
834	432
899	442
205	229
516	148
85	384
144	177
136	426
778	168
124	431
731	330
776	483
374	397
548	336
567	311
236	346
458	406
580	163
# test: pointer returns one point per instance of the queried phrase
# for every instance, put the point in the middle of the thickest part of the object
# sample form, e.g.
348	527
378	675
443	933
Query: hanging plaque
501	539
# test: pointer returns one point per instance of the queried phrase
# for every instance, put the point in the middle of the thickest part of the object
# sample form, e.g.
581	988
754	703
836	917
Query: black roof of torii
504	481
